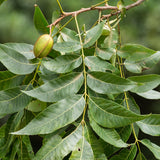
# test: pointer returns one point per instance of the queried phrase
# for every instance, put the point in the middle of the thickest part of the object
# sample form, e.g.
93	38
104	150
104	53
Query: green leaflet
59	88
150	125
40	21
155	149
67	47
138	58
63	64
92	35
82	150
96	64
13	97
147	82
9	80
126	154
110	114
55	116
108	135
23	48
108	83
69	35
57	148
14	61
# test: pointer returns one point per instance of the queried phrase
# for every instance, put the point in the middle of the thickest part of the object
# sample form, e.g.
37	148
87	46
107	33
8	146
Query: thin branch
127	8
100	8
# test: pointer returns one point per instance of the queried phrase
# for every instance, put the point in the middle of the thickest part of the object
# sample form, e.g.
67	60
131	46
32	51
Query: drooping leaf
147	82
23	48
92	35
110	41
12	125
67	47
155	149
124	133
55	116
13	100
96	64
108	83
110	114
108	135
69	35
152	94
150	125
105	53
138	58
82	150
63	64
9	80
96	145
126	154
130	49
14	61
57	148
59	88
40	21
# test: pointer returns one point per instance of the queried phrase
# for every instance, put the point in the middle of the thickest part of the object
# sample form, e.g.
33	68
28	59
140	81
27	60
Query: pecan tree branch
127	8
107	7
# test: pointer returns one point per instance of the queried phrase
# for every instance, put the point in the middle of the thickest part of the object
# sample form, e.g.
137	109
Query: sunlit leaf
93	34
55	116
63	64
110	114
147	82
152	94
138	58
59	88
23	48
104	82
57	148
69	35
14	61
82	150
155	149
96	64
150	125
67	47
108	135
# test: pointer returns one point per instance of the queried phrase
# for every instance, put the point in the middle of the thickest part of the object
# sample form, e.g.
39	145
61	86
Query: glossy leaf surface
150	125
57	89
14	61
57	148
110	114
55	116
63	64
104	82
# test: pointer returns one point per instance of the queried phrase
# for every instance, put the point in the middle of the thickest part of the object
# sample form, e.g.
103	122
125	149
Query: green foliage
78	97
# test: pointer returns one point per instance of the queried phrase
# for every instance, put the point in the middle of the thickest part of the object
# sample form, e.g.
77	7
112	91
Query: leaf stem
99	3
60	7
125	94
37	69
84	69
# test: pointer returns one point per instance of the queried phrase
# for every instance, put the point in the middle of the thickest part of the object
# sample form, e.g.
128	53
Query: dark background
141	25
